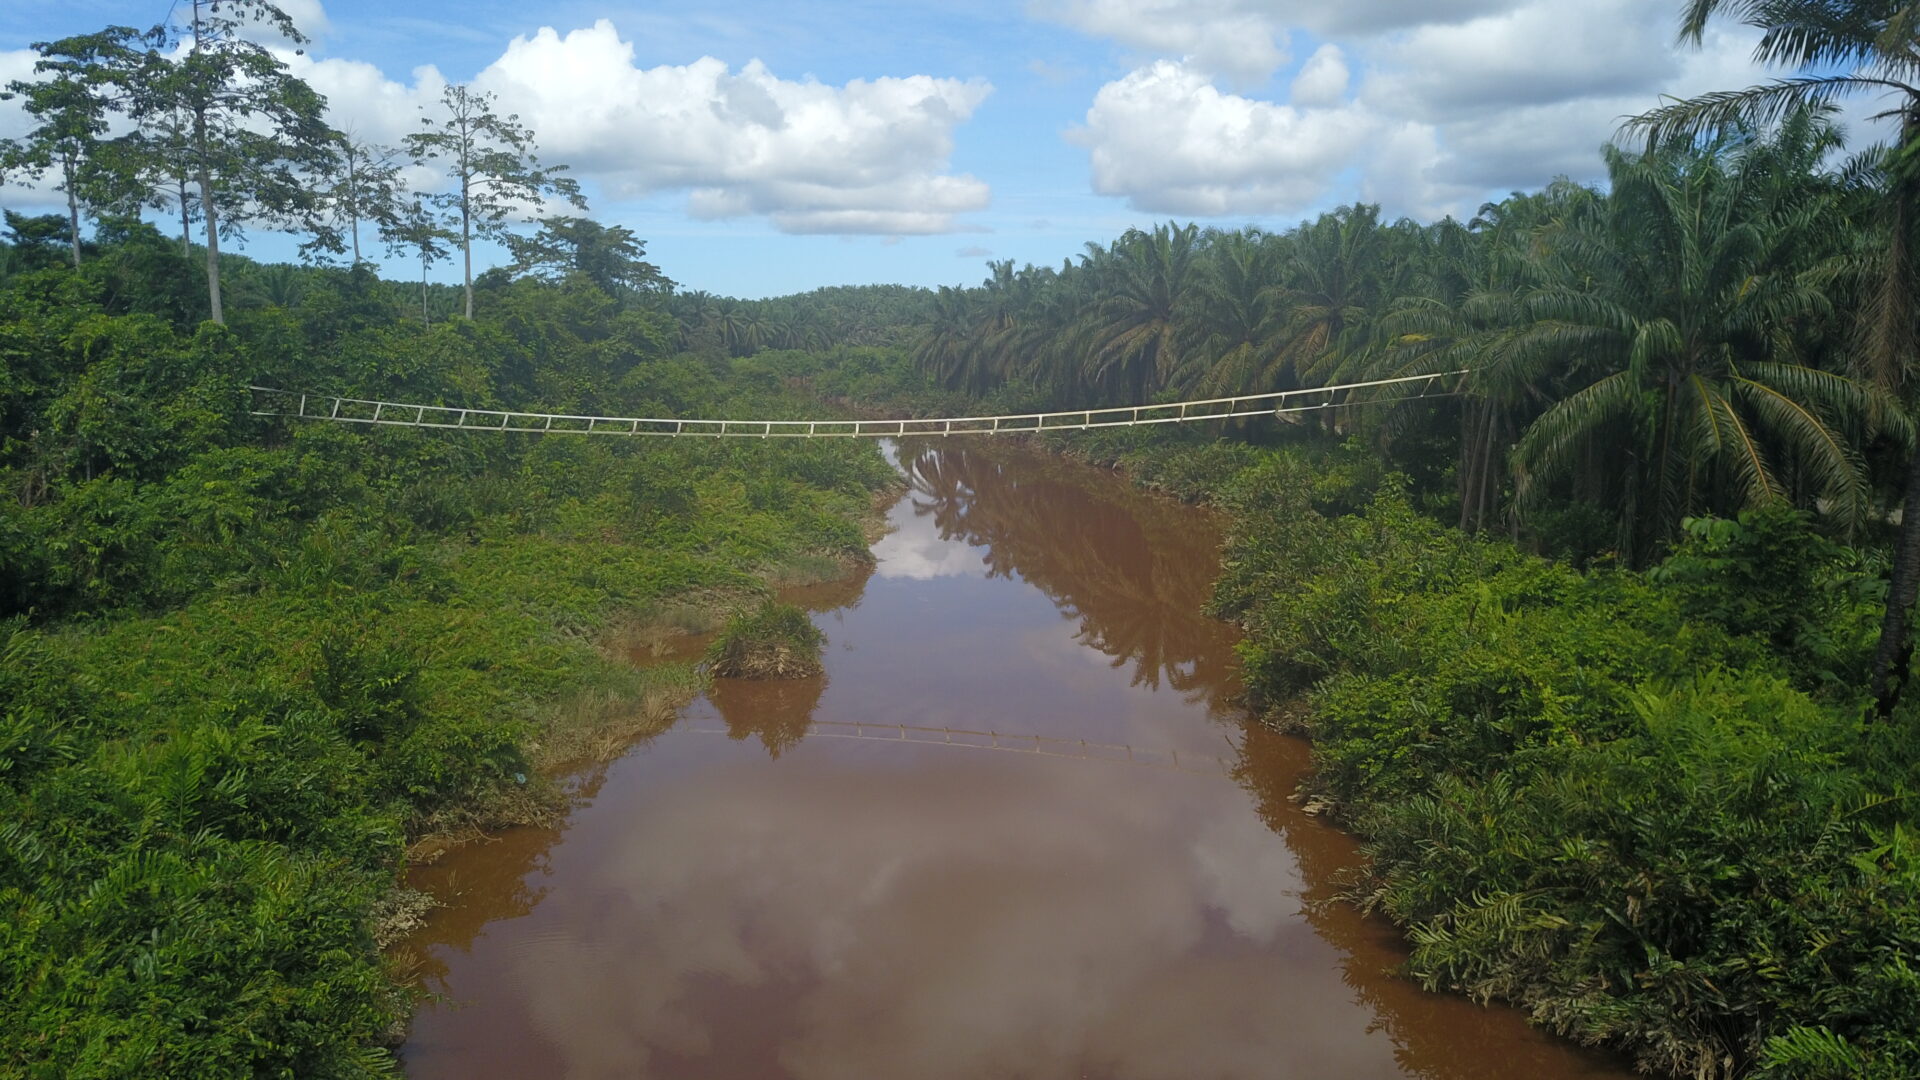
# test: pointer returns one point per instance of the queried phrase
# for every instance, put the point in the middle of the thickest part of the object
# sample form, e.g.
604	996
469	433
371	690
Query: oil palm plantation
946	349
1240	310
1679	299
1136	332
1833	49
1472	314
1337	284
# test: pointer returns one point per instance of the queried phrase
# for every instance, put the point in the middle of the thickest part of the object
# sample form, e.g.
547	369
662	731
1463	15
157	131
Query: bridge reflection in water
785	903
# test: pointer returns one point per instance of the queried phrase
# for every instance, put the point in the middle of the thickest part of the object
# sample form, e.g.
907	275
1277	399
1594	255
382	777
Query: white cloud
1520	57
310	16
1169	141
14	123
1322	79
1245	40
15	64
1229	37
866	157
1426	109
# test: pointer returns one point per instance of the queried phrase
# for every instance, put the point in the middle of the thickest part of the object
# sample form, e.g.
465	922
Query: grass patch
777	641
599	721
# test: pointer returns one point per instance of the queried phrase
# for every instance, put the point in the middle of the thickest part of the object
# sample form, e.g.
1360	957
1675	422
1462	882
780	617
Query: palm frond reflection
1119	564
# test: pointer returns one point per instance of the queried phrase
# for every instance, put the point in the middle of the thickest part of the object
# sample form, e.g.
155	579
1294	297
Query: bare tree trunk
466	243
1893	657
1507	437
213	250
211	216
1467	452
73	225
186	226
1643	546
353	202
1483	498
207	211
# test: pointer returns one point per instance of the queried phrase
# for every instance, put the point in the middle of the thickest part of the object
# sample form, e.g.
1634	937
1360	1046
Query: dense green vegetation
245	664
1640	804
1585	647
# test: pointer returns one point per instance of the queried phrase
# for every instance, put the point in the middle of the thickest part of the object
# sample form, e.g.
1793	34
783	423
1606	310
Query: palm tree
1679	298
1241	309
1335	289
945	351
271	285
1135	332
1835	49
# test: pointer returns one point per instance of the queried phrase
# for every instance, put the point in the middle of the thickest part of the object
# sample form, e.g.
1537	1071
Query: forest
1603	651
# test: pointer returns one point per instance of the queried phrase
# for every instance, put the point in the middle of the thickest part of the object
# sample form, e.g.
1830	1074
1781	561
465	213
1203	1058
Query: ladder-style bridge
1005	742
344	410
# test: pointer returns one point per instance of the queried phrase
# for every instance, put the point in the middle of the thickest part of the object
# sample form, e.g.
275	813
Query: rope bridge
344	410
1043	745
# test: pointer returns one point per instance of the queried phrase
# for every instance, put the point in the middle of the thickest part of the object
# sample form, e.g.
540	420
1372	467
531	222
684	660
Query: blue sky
762	147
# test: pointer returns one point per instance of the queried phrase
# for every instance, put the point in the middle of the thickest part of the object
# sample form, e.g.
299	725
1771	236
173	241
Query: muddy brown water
835	878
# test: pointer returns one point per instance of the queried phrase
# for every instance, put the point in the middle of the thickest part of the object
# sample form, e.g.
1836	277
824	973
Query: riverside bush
776	641
1638	805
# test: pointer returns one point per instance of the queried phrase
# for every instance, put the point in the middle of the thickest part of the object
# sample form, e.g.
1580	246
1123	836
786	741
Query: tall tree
251	127
608	255
1138	331
153	168
71	105
1471	312
492	164
359	183
1835	49
421	232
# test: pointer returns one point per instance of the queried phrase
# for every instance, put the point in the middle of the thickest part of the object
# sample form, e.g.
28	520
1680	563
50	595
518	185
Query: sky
764	147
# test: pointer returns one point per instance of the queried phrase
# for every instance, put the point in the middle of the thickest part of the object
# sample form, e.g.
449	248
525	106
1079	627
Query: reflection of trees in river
1134	571
476	889
779	711
474	892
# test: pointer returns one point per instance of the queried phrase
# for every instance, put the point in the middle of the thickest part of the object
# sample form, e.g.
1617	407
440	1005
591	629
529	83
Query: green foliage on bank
243	663
773	641
1639	804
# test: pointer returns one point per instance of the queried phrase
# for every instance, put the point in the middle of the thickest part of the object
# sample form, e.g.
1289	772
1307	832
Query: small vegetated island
775	641
1606	654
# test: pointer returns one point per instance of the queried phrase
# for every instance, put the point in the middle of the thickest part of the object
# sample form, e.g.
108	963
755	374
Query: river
1020	828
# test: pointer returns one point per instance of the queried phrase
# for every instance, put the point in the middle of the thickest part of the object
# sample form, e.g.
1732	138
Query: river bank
1639	805
935	859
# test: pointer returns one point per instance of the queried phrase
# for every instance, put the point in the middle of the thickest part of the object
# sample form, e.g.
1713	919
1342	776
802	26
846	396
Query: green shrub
774	641
1639	805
